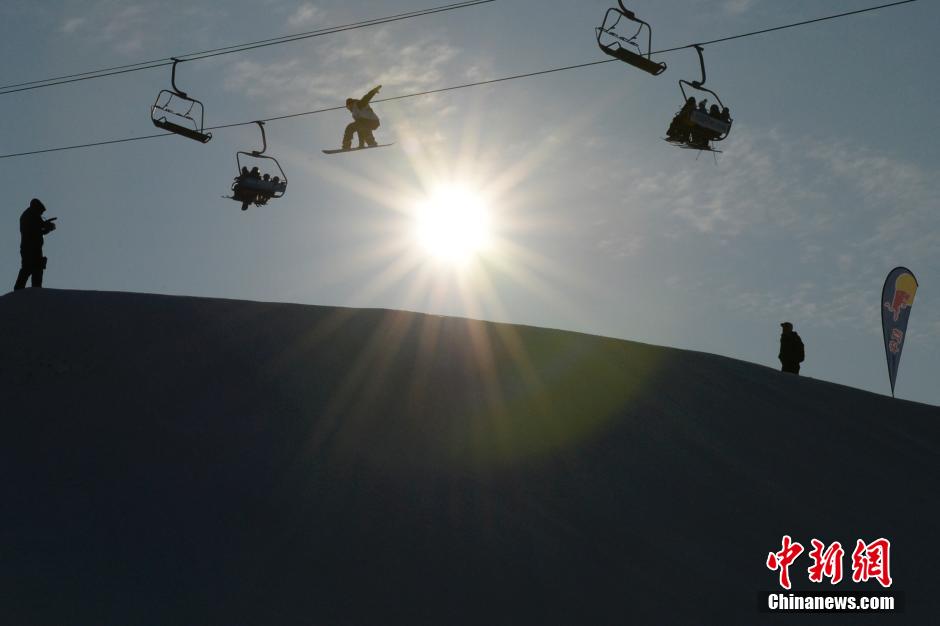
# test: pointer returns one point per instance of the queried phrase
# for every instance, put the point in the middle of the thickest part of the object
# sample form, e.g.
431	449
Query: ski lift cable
193	56
445	89
785	26
205	54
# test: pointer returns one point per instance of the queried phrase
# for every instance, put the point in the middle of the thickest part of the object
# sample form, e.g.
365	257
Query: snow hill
175	461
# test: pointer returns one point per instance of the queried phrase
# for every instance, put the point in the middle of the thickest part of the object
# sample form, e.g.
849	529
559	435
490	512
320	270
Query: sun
452	224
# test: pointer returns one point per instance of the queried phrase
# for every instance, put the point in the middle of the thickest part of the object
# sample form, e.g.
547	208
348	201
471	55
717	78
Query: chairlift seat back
185	123
182	130
274	189
636	60
704	120
609	41
266	164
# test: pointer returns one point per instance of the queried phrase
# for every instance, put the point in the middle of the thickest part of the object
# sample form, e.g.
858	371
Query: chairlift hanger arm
701	62
264	140
641	58
697	85
630	15
176	89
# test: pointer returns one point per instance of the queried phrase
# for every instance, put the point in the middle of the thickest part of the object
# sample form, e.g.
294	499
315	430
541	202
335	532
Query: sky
591	222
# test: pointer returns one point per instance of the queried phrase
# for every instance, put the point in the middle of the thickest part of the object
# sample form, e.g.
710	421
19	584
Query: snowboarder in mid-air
32	229
364	121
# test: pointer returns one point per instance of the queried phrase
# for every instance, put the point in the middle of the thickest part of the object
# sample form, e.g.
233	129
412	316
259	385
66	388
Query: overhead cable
453	87
785	26
205	54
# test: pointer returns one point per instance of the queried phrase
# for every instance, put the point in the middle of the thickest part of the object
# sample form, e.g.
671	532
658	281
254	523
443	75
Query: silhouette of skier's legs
21	279
364	129
347	136
365	132
31	267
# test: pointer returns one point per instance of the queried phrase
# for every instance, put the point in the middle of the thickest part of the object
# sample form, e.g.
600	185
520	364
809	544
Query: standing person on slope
32	229
364	121
791	349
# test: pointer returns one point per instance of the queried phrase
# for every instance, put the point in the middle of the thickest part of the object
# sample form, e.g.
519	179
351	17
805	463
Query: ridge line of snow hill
190	461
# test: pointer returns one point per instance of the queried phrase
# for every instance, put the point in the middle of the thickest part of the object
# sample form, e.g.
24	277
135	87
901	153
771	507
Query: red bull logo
904	289
897	338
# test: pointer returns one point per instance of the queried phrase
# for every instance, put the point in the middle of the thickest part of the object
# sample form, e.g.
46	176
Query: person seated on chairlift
240	193
700	136
725	115
245	195
239	179
680	126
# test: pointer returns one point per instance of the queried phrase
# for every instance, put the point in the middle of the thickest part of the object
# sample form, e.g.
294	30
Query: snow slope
171	460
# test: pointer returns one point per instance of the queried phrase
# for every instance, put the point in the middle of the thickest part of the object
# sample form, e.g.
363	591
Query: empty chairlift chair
615	44
176	112
258	177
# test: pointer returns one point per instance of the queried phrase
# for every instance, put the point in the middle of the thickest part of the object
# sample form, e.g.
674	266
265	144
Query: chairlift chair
176	112
717	129
612	43
249	186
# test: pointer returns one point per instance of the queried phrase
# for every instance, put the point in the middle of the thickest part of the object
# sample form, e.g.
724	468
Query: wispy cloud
841	212
743	191
127	28
73	24
306	14
348	66
737	7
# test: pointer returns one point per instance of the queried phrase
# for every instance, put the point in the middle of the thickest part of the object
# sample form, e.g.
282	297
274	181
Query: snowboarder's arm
369	96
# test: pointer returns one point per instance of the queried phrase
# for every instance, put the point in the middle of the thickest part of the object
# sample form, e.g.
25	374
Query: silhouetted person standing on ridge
365	122
791	349
32	229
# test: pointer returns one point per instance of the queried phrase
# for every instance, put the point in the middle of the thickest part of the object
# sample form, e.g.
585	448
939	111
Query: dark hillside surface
172	460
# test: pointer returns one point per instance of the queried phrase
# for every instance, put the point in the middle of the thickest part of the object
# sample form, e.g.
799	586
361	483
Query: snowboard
381	145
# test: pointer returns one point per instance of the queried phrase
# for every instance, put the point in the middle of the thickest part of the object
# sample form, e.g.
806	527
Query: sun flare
452	224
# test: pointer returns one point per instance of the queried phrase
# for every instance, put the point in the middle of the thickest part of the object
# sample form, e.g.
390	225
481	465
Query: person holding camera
32	229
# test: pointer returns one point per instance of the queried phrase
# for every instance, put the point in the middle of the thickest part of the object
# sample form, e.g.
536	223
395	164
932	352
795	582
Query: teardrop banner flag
897	297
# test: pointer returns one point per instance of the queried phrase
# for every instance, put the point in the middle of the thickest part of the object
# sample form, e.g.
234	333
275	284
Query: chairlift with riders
694	127
264	180
615	44
178	113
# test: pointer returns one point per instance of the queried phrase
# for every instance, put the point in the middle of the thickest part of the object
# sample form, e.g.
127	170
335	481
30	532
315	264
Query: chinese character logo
826	563
869	561
872	561
782	560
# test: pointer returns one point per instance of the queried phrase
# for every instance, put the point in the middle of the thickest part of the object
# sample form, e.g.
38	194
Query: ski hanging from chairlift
615	44
264	180
696	125
178	113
